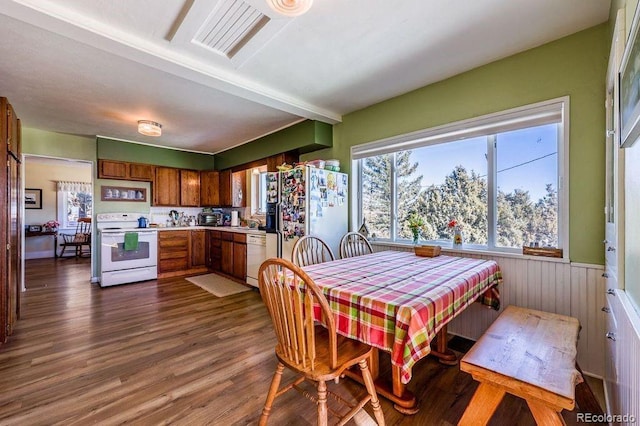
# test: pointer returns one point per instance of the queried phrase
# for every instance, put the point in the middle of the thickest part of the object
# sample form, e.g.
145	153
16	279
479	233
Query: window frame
530	115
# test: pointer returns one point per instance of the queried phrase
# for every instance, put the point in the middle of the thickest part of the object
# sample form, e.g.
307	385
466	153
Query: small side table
43	233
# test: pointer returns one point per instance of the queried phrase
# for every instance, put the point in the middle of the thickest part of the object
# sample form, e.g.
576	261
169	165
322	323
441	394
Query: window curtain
66	186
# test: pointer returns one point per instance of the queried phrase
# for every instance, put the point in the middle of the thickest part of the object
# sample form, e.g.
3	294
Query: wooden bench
527	353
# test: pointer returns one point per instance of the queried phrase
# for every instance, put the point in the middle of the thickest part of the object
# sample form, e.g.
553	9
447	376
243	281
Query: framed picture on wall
630	86
32	198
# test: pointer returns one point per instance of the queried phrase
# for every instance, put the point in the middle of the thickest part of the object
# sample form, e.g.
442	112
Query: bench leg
545	415
482	405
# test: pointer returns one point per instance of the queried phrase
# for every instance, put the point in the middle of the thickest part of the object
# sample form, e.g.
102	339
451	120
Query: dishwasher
256	254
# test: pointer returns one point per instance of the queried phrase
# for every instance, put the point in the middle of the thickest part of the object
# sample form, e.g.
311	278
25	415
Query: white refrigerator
309	201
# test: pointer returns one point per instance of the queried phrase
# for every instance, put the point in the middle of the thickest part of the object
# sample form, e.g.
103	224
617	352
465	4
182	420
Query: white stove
135	262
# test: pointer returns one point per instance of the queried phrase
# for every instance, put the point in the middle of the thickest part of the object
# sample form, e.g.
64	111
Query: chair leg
63	249
371	389
273	390
322	403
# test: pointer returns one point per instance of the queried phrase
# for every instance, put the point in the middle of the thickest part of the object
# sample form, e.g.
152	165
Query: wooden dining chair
315	352
310	250
81	238
354	244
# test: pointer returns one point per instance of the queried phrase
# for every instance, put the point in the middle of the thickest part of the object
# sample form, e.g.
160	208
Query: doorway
57	192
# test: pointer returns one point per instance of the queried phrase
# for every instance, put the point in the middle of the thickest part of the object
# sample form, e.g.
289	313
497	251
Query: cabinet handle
611	336
605	310
605	275
611	292
611	249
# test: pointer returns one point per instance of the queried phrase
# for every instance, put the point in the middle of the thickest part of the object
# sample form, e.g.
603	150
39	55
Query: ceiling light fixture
290	7
149	128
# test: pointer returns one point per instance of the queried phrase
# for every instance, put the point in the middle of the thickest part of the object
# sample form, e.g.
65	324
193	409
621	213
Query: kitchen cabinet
122	170
228	253
232	188
239	189
210	188
240	256
225	188
143	172
173	251
189	188
166	187
198	249
214	250
176	187
108	169
181	252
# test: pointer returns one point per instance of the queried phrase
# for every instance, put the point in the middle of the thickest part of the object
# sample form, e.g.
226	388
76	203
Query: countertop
236	229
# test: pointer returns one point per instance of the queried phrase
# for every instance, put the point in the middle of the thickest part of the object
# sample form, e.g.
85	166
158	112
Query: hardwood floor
168	352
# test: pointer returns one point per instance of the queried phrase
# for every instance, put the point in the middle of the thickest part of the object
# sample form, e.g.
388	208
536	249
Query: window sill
477	251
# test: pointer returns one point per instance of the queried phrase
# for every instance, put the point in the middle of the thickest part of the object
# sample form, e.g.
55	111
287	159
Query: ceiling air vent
230	27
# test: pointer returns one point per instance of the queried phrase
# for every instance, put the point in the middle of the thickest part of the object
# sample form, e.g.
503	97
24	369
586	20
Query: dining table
401	303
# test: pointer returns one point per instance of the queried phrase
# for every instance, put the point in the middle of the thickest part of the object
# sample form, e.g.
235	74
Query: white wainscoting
623	394
546	284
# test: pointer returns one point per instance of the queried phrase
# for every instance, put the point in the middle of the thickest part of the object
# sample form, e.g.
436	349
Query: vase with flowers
457	232
51	226
416	225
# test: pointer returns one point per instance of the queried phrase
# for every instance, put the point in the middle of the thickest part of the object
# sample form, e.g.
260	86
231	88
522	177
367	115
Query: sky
527	159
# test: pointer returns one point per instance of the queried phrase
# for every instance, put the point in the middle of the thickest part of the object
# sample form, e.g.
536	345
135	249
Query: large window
498	177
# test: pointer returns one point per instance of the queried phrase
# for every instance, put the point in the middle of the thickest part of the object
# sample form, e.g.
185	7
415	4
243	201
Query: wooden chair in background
354	244
81	238
310	250
314	352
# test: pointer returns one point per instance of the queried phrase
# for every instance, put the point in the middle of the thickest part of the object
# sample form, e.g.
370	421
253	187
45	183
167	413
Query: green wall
574	66
60	145
306	136
111	149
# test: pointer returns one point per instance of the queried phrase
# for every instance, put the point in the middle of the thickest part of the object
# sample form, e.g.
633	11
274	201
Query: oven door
114	257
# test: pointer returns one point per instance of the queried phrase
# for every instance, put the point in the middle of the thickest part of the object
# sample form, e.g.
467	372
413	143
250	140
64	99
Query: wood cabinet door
239	189
143	172
108	169
189	188
13	138
240	261
209	188
166	187
198	248
226	260
225	188
215	250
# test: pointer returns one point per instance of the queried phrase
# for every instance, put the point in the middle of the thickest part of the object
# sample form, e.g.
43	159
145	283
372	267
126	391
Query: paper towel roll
234	219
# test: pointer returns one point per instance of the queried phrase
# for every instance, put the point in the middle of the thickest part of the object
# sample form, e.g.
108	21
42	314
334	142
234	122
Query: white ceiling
95	67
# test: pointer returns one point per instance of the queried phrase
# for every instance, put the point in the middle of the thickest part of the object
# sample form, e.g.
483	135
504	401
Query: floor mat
218	285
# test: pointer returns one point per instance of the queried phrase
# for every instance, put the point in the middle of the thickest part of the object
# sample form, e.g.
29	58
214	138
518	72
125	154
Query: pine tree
376	194
410	194
462	197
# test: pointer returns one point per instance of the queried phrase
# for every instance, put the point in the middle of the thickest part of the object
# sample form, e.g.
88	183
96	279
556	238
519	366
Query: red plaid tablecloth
397	301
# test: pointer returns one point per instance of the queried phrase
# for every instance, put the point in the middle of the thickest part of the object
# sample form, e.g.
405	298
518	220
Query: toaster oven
210	219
